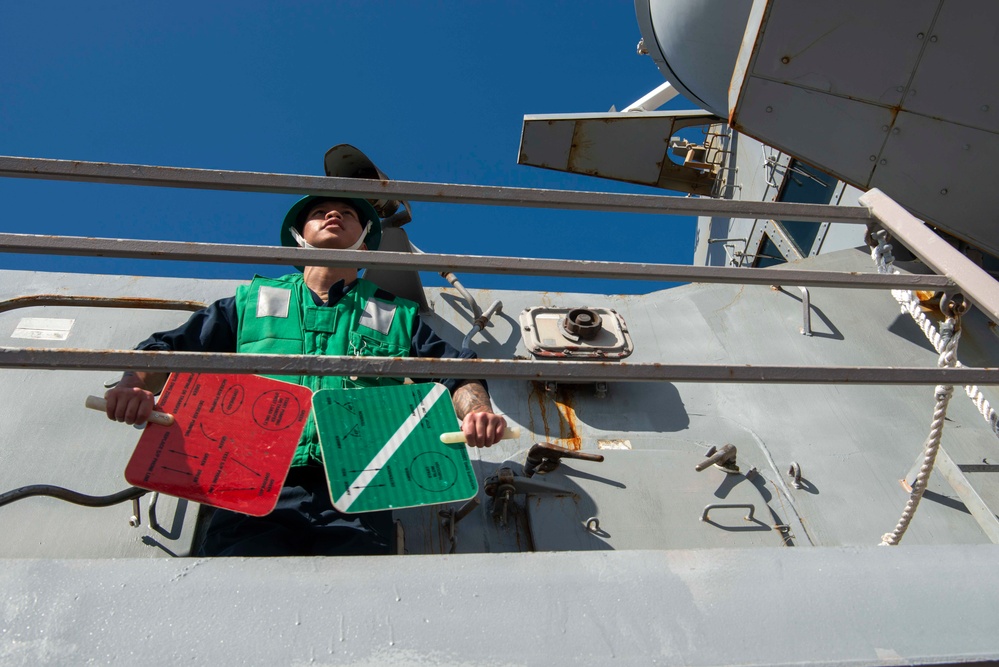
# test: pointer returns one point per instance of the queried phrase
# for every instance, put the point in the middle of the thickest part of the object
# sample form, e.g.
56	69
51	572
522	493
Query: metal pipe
469	299
70	496
653	99
154	523
247	181
36	300
806	312
488	369
455	283
567	268
480	323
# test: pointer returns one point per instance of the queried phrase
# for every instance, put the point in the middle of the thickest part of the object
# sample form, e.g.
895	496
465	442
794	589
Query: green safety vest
280	316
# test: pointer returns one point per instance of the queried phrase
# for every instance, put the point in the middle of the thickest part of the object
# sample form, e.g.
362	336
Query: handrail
935	252
448	193
566	268
959	272
37	300
488	369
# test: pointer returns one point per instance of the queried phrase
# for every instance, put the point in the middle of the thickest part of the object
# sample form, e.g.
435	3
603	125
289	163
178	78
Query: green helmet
365	211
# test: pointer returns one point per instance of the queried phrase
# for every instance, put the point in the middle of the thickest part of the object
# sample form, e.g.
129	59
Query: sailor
321	310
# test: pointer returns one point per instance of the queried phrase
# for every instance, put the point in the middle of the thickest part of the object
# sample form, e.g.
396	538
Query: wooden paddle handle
457	436
98	403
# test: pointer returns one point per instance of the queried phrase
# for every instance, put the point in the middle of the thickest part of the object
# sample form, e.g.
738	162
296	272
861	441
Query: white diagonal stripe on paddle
357	487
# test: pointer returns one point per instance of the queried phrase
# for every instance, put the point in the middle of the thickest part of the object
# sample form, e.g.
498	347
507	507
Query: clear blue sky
432	91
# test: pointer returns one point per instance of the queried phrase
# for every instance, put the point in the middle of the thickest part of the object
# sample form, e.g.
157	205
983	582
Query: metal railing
959	274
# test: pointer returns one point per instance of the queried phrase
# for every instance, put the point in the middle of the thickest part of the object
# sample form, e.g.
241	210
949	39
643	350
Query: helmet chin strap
302	243
360	239
305	244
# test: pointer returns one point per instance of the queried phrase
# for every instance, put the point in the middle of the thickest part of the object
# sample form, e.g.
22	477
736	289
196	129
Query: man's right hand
130	401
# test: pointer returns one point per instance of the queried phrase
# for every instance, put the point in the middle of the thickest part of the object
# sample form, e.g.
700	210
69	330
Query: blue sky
432	91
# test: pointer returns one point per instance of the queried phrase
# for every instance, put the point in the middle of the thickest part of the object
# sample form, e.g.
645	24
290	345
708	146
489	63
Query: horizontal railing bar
487	369
975	283
247	181
565	268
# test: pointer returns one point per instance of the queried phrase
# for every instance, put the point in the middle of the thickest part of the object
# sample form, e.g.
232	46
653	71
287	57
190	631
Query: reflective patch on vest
273	301
378	316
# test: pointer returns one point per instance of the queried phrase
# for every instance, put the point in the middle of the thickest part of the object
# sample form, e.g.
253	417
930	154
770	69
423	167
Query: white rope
909	303
948	359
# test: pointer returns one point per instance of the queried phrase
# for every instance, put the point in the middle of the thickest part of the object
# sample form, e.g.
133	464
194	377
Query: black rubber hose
131	493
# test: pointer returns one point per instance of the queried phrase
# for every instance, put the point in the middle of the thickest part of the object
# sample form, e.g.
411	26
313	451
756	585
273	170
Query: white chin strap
302	243
305	244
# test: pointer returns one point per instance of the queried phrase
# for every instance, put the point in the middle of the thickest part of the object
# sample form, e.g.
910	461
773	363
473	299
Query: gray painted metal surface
758	173
694	45
853	443
872	606
652	510
893	95
670	601
626	146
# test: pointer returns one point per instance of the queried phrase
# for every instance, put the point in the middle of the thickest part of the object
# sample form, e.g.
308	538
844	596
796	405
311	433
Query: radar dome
695	44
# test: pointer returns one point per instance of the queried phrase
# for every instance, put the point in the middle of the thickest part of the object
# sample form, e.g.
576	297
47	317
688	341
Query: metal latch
545	457
723	458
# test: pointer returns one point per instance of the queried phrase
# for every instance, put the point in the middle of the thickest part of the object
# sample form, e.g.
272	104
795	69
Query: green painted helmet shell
365	211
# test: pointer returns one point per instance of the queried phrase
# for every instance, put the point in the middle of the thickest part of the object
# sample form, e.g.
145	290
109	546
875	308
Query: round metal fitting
583	322
593	524
785	60
952	305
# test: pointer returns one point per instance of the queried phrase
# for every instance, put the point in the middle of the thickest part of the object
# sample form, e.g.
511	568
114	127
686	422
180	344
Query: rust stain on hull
538	399
568	424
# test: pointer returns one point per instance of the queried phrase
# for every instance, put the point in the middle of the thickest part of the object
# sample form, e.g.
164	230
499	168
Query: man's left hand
482	429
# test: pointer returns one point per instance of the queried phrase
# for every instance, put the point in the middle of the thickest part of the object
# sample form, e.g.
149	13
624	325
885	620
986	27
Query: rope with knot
909	303
947	359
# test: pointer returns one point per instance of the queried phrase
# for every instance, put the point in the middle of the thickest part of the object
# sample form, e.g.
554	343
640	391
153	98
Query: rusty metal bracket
545	457
38	300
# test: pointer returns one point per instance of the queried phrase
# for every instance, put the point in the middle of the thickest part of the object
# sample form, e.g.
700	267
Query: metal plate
955	188
630	147
544	335
957	79
865	51
837	134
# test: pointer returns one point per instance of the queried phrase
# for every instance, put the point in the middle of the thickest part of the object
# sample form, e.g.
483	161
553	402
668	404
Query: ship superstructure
761	429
